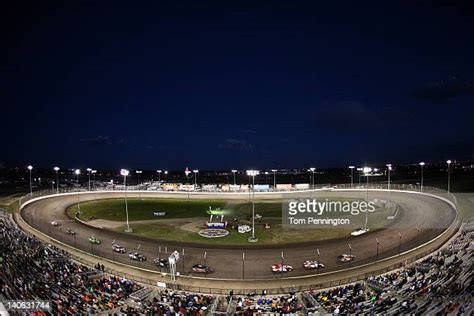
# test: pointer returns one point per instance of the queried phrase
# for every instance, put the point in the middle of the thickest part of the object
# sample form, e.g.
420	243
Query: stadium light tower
421	165
89	181
389	167
449	175
352	175
234	171
56	169
367	171
125	173
312	174
195	171
166	175
30	167
77	172
253	173
93	175
159	175
274	179
138	172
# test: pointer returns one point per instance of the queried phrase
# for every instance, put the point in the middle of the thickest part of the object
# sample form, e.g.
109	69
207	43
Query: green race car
94	240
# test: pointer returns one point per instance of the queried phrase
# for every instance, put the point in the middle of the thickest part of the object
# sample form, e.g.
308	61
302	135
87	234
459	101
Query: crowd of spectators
31	270
441	283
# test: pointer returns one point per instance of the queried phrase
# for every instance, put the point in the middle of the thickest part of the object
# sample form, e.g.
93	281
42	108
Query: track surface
430	215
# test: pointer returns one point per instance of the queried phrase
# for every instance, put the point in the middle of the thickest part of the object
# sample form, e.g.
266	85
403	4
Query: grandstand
440	283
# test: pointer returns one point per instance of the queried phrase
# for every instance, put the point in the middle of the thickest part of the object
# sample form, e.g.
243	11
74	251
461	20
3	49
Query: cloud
236	144
443	90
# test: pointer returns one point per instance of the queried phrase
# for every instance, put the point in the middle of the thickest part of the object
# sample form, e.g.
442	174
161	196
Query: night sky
220	85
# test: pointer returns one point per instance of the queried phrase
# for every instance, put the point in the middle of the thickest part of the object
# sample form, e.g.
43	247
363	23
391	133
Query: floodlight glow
422	163
56	169
253	173
312	169
89	169
30	167
93	171
448	162
138	171
233	170
367	169
77	171
351	167
166	171
195	171
124	172
274	170
159	171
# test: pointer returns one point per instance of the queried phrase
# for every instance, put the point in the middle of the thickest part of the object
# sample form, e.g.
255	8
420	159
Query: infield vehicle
118	248
201	268
281	268
94	240
161	262
55	223
346	258
136	256
313	264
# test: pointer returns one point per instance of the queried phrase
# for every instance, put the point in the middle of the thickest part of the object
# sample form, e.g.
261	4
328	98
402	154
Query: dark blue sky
215	85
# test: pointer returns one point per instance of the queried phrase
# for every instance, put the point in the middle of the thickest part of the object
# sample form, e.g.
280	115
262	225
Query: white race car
55	223
118	248
281	268
346	258
313	264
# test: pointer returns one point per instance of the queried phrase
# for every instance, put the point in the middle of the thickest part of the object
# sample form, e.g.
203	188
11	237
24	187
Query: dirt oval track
430	215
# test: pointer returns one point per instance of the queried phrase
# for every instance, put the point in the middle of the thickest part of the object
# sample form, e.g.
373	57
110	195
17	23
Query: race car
94	240
118	248
55	223
136	256
281	268
161	262
313	264
70	231
201	268
346	258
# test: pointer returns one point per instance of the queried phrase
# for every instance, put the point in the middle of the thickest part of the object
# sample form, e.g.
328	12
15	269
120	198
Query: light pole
253	173
274	179
389	166
352	175
421	165
234	171
93	181
195	171
89	174
56	169
367	171
400	242
312	174
77	172
378	243
449	175
30	167
159	175
125	173
138	172
243	265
